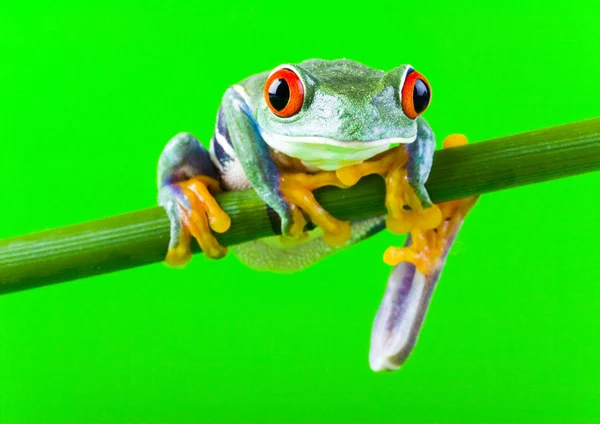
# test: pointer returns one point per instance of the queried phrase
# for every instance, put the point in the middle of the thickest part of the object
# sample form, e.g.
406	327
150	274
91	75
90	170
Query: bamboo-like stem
140	238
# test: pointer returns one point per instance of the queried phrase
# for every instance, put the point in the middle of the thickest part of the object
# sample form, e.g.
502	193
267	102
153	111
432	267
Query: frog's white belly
328	154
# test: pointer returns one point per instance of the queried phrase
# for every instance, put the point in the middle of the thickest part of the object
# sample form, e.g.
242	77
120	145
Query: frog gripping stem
187	182
198	213
297	189
299	128
405	208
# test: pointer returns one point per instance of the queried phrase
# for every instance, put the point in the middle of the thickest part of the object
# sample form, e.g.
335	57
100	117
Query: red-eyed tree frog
299	127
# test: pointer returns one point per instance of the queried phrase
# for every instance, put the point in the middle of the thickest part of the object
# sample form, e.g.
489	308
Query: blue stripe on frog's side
254	165
221	149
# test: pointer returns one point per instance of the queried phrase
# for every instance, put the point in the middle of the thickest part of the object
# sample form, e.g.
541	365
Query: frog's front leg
405	169
427	244
297	188
288	193
187	180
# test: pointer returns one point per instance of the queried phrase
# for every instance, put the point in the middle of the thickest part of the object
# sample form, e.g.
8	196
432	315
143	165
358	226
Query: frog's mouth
328	154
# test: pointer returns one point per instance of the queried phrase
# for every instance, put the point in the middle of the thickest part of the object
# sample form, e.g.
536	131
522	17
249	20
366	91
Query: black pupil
421	96
279	94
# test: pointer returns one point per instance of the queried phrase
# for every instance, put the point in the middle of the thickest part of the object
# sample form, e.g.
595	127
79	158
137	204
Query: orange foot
428	247
405	210
297	188
198	212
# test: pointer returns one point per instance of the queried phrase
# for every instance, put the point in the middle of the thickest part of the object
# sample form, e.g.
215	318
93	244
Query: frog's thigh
417	269
285	255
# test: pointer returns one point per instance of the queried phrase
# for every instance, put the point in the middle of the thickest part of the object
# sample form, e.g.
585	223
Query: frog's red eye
416	94
284	93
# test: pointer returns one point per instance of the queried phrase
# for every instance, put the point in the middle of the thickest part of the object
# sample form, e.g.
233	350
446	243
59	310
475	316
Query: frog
287	132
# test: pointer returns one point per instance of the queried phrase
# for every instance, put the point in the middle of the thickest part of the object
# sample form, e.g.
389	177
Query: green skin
345	102
350	113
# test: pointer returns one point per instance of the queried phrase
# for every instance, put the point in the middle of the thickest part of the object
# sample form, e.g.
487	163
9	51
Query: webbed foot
428	248
429	244
297	188
194	212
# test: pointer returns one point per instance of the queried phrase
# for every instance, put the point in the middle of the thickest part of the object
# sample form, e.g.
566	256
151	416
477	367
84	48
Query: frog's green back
343	72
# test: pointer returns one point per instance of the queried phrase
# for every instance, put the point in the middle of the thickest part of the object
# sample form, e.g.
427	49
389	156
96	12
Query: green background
89	95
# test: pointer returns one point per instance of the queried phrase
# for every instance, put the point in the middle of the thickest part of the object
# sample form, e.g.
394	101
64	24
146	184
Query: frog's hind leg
187	180
417	269
282	254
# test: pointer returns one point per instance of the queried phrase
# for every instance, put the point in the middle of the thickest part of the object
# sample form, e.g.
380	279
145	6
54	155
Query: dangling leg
417	269
187	180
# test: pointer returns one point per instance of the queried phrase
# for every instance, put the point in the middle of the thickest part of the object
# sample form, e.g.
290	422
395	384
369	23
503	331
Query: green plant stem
140	238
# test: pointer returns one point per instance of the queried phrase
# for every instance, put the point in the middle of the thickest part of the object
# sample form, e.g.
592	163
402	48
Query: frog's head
332	114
